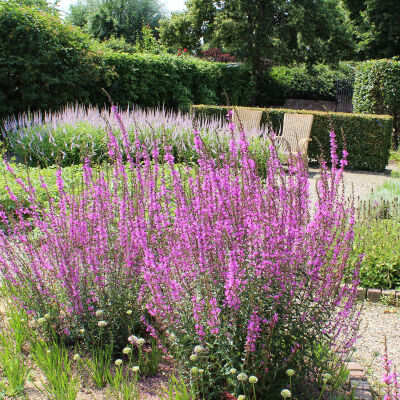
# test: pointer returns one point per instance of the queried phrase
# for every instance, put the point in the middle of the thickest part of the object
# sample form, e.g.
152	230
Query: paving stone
389	293
357	375
361	293
362	385
354	366
374	295
362	394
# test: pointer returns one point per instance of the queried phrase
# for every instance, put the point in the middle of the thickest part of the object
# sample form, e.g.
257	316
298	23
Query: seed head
290	372
118	362
242	377
285	393
102	324
253	379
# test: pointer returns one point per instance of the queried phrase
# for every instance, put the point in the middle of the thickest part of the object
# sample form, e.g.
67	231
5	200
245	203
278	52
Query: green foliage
43	62
378	239
258	31
376	27
367	137
377	90
299	82
71	174
56	365
119	18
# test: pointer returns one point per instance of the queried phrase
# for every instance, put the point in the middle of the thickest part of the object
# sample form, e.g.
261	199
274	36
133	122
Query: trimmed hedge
45	64
367	137
377	90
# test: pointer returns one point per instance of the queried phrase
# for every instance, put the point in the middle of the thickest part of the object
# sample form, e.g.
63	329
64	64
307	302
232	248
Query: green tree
379	31
119	18
262	32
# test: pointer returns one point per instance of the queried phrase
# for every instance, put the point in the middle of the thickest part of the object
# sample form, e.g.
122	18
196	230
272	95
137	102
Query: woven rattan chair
295	135
248	119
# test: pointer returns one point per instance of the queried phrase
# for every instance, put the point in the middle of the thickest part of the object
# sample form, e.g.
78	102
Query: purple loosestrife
243	266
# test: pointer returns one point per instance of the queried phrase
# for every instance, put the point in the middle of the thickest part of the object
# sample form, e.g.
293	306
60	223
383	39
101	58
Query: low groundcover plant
239	277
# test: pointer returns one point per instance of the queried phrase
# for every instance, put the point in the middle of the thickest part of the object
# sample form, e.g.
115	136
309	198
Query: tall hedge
43	63
377	90
367	137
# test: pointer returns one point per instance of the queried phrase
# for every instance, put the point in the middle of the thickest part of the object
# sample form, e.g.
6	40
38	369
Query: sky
170	5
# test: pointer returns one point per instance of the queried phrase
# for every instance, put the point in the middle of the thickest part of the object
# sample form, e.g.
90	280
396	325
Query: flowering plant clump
248	275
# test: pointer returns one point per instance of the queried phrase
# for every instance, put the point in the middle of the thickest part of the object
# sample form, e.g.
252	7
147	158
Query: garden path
377	320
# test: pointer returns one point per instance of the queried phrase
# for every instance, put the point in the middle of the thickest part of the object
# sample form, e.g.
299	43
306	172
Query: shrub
69	136
231	268
215	54
44	63
377	238
298	82
367	137
377	90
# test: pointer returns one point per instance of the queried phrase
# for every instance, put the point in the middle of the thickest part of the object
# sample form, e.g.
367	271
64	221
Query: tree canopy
118	18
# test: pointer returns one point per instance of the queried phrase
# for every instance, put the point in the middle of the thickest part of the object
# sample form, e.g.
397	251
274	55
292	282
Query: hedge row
45	64
367	137
377	90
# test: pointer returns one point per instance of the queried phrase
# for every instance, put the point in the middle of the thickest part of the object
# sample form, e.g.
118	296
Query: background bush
377	90
367	137
300	82
45	64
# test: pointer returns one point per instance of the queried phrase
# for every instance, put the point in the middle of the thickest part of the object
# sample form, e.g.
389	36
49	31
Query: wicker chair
295	135
249	120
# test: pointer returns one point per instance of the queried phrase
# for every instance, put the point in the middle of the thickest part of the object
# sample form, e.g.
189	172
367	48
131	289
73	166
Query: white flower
129	312
253	379
233	371
81	330
118	362
101	324
47	316
201	371
194	370
198	349
242	377
126	350
48	351
290	372
135	369
77	357
140	342
285	393
326	377
99	313
241	397
193	357
41	321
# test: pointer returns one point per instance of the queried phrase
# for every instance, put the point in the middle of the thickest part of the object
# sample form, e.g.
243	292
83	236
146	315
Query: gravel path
361	182
377	320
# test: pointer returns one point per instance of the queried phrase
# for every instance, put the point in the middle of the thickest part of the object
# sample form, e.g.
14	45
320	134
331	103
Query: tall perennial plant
239	276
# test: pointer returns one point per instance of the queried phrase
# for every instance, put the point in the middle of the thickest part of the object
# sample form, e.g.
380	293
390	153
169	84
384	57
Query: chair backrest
296	132
249	119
